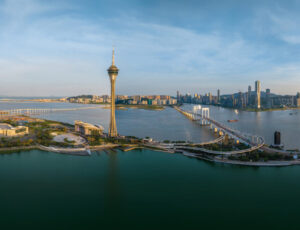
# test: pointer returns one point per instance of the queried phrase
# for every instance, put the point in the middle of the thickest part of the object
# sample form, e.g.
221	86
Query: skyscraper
297	98
249	95
233	100
219	99
268	98
277	138
113	73
257	91
210	98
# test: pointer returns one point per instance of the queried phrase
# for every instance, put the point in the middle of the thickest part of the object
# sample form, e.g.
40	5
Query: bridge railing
41	110
252	140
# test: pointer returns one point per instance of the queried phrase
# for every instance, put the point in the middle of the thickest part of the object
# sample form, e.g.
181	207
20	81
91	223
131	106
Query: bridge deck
28	111
234	133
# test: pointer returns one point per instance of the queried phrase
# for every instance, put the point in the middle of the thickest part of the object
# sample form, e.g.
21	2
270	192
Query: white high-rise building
257	91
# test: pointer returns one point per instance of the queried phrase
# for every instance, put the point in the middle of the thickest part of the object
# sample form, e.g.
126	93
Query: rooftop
5	126
88	125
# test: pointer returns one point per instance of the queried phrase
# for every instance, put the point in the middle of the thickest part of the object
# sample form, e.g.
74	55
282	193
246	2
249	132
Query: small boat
235	120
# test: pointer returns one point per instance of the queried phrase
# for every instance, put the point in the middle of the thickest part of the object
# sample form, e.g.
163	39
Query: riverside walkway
241	151
255	142
219	139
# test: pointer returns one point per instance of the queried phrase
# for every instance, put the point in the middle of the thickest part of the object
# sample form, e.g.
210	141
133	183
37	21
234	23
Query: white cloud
66	53
293	39
280	22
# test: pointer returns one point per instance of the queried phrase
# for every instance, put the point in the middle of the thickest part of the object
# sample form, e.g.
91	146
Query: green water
143	190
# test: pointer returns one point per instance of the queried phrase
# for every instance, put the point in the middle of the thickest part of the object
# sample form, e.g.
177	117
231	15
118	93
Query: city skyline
197	46
161	114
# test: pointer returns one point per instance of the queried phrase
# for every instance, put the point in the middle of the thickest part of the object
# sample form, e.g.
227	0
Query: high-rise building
297	100
113	73
233	100
277	138
219	98
240	100
249	95
257	91
210	98
268	98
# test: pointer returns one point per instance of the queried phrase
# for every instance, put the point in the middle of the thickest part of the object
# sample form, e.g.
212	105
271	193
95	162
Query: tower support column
113	126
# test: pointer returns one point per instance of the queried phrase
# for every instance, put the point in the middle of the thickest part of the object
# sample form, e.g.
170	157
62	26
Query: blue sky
61	48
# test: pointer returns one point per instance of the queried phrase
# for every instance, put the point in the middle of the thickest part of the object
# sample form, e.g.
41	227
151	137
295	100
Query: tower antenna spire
113	56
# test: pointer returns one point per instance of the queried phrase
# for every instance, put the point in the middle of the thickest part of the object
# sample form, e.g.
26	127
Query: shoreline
248	109
86	151
245	163
270	110
71	151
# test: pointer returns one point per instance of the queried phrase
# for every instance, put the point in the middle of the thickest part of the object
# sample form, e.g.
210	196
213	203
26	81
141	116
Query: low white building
88	129
9	131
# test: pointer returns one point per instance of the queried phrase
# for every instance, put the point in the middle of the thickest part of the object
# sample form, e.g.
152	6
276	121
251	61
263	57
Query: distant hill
82	96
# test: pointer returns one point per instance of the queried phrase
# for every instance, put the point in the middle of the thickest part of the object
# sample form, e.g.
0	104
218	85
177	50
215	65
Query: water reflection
113	191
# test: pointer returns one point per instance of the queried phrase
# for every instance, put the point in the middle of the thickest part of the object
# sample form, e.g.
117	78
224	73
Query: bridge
255	142
219	139
36	111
